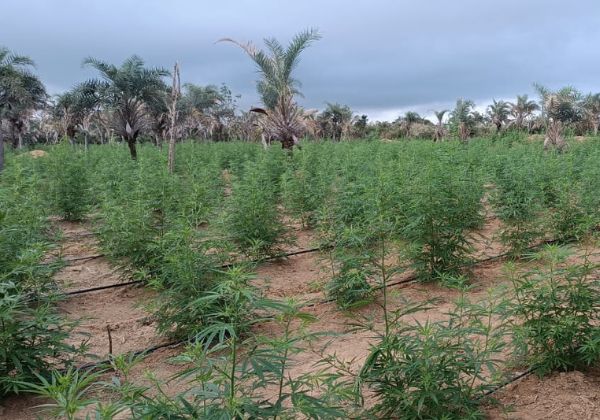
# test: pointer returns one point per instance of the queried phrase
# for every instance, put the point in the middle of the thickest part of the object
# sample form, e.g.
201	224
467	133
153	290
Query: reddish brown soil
120	310
302	277
564	396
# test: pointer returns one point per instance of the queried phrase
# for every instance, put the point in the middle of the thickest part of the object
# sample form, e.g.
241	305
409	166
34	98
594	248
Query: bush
435	370
252	218
32	339
558	312
442	204
69	184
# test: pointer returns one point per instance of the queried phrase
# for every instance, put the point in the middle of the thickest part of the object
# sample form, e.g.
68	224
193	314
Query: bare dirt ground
566	396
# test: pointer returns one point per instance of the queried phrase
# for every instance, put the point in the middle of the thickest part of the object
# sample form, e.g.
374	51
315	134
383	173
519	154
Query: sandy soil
120	310
564	396
301	277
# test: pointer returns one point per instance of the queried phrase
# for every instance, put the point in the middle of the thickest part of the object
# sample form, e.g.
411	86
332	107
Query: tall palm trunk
287	142
132	147
463	132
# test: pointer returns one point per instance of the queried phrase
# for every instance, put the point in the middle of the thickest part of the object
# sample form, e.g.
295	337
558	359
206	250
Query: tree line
133	102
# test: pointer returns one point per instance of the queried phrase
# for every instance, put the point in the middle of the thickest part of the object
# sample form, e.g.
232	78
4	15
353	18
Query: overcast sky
380	57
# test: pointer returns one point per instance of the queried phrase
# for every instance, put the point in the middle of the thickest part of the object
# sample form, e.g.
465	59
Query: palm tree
74	110
440	131
335	121
498	112
20	92
462	119
591	111
282	118
562	107
407	120
211	107
64	111
543	93
360	126
129	92
523	108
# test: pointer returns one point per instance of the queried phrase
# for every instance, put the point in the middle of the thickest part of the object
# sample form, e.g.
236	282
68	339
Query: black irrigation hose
224	266
277	256
507	382
410	279
149	350
413	278
95	289
134	282
285	255
86	257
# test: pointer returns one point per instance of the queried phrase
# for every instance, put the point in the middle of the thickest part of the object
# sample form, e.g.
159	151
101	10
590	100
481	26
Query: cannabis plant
443	203
518	202
32	339
252	218
435	369
556	310
70	187
70	392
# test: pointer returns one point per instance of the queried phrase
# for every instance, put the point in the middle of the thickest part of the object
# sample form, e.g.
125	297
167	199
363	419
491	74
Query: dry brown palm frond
554	136
287	122
463	131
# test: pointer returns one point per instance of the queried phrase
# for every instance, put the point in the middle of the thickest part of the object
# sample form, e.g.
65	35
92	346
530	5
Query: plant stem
283	361
384	285
232	372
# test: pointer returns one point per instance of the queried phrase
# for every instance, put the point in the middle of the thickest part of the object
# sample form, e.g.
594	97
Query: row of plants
414	203
547	318
241	196
32	332
231	200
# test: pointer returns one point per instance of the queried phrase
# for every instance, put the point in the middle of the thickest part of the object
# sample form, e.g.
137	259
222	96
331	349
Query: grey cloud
374	55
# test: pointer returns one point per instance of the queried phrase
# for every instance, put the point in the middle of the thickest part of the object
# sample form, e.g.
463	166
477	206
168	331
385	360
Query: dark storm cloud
380	56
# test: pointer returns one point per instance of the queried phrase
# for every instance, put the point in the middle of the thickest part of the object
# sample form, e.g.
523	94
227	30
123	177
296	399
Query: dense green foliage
433	369
69	183
559	305
409	206
32	336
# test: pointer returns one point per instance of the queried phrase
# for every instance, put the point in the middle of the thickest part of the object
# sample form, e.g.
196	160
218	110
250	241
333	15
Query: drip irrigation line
98	288
136	353
507	382
277	256
224	266
134	282
86	257
292	254
413	277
